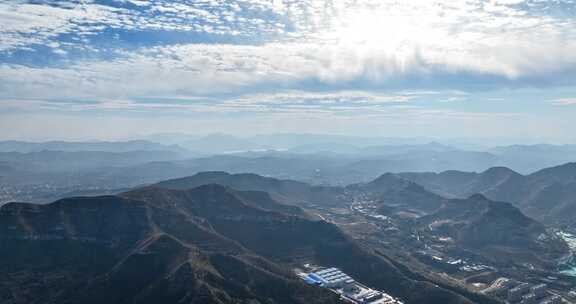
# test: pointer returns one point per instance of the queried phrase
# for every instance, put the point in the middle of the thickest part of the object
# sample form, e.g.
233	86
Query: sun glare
392	32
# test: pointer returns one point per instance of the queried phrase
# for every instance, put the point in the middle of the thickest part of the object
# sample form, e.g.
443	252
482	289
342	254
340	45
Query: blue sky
119	68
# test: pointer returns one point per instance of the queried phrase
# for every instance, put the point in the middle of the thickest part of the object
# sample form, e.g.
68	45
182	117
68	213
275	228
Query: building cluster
330	278
345	286
515	292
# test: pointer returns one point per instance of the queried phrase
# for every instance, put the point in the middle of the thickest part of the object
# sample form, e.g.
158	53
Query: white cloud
350	50
23	24
296	102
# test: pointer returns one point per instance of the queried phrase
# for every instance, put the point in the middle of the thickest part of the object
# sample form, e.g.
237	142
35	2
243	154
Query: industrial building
514	292
500	287
331	278
345	286
529	298
539	290
552	300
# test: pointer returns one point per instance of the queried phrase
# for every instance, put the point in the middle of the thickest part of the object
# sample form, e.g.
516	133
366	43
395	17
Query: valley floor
434	258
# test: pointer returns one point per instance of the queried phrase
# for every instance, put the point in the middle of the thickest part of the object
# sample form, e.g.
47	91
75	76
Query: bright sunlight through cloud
212	56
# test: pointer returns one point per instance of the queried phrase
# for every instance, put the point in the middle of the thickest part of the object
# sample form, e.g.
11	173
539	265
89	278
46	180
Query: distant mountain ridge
93	167
94	146
548	195
392	190
296	193
283	190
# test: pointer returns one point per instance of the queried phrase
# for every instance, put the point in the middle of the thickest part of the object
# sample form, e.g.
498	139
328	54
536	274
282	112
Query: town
512	291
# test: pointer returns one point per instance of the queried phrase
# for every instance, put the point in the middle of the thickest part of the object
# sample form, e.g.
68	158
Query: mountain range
216	237
494	230
208	244
548	195
94	146
481	222
42	172
288	191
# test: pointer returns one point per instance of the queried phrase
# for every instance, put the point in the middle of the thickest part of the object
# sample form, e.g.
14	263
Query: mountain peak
211	174
388	177
499	171
386	182
483	224
478	197
198	179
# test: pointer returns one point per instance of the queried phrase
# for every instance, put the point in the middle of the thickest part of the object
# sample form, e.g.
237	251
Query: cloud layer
343	57
375	44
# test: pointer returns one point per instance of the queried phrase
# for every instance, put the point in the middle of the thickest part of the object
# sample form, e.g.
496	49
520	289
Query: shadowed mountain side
203	245
391	190
497	229
507	230
114	250
288	191
548	195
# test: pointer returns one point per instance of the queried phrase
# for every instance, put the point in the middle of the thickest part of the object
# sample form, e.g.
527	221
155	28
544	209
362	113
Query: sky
111	69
